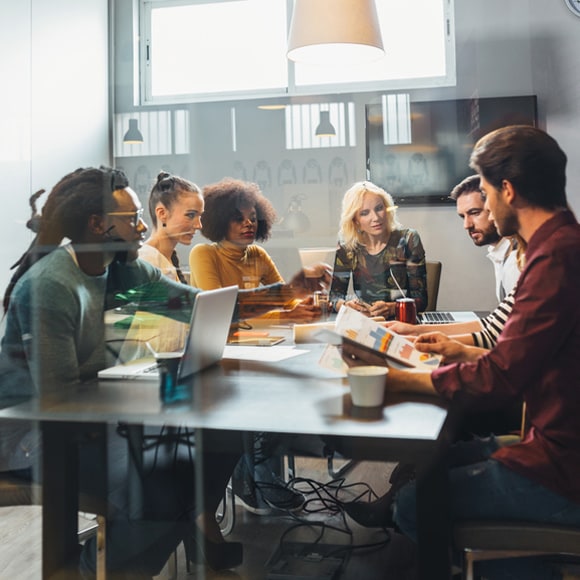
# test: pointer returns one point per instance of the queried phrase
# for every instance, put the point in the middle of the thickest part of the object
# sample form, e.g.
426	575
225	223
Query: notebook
437	317
211	317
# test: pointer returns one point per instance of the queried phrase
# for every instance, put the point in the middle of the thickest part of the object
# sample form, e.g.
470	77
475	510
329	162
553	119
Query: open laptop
440	317
211	317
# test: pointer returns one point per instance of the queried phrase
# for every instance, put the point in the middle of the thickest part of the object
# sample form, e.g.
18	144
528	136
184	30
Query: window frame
292	89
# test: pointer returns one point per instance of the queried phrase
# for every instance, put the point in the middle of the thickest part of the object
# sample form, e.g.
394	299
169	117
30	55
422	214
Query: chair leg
336	474
468	565
291	466
101	548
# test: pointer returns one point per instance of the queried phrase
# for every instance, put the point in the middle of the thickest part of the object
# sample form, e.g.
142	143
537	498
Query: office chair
433	278
492	540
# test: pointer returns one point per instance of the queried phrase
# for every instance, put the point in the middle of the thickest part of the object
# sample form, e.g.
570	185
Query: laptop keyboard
436	318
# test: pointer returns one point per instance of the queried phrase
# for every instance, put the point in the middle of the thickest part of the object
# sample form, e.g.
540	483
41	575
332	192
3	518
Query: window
161	135
202	50
303	120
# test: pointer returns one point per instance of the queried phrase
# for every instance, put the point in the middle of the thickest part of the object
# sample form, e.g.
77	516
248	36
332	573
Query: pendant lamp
325	127
335	32
133	135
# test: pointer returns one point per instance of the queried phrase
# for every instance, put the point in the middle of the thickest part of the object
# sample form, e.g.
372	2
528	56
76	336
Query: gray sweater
55	335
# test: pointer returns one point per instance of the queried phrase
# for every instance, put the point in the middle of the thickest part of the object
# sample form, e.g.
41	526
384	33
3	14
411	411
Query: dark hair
76	197
167	190
223	201
468	185
529	159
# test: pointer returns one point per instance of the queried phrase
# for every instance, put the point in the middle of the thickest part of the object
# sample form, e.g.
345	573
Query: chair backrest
433	278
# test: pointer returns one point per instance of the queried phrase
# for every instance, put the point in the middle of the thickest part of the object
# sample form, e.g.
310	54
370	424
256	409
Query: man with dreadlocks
82	261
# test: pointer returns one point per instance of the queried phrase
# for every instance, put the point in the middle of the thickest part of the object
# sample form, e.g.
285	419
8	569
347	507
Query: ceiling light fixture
272	107
325	127
133	135
334	32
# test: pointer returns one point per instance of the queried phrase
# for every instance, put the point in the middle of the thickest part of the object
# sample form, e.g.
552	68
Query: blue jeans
482	488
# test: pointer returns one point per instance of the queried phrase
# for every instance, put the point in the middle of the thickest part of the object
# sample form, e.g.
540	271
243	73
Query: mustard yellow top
225	264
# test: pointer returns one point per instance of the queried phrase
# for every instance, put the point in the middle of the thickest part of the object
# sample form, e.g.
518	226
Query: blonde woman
383	259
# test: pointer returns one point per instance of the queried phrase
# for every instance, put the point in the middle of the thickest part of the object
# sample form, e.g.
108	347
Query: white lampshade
332	32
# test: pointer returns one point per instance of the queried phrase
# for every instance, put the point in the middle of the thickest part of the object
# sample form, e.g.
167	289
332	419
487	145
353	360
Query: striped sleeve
494	323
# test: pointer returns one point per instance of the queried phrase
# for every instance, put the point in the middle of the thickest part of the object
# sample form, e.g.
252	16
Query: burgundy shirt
537	357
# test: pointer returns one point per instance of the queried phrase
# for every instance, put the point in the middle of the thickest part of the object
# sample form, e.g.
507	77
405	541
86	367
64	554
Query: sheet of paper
357	327
331	360
262	353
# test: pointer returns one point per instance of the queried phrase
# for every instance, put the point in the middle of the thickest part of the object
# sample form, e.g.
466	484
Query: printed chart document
363	330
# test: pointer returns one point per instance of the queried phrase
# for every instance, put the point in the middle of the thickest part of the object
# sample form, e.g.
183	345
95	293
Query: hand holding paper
357	327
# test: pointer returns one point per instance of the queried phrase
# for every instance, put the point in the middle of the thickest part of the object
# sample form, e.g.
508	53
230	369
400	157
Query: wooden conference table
293	395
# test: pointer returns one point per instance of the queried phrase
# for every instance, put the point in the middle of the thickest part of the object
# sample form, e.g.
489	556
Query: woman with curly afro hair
236	215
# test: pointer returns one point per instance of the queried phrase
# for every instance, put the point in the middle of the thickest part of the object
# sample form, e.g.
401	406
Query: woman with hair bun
175	206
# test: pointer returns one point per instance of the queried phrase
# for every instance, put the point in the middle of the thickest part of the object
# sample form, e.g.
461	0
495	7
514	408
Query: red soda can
406	310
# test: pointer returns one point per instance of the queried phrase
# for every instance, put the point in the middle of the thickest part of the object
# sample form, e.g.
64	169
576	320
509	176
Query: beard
124	251
507	222
487	237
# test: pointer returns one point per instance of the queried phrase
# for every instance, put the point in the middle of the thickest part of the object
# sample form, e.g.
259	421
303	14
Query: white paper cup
367	385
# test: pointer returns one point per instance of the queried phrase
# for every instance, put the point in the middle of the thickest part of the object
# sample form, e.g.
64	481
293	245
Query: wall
54	100
504	47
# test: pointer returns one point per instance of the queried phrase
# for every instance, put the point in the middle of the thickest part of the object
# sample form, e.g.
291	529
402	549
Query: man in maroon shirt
522	172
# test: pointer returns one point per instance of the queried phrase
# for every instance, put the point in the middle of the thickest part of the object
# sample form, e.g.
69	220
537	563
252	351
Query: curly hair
76	197
223	201
167	190
351	205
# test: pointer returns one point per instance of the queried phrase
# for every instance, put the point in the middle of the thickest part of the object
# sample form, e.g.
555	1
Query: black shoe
372	514
218	556
280	497
379	513
264	499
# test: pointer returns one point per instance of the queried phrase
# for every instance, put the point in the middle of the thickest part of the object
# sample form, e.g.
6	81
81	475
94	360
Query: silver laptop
211	317
440	317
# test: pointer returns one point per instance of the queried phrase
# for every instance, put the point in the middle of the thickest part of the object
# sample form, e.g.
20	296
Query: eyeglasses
135	216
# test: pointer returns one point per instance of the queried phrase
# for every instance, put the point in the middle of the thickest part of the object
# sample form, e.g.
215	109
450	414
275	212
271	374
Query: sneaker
265	499
252	501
